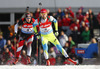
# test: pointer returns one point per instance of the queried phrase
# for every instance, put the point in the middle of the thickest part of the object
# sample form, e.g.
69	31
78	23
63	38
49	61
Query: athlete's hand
37	36
56	33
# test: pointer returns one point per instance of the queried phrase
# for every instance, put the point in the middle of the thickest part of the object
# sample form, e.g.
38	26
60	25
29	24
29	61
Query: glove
37	36
56	33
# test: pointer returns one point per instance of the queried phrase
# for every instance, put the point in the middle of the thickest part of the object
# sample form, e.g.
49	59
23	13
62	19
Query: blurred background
78	23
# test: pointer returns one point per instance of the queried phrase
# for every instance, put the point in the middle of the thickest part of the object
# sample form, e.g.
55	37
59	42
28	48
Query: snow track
50	67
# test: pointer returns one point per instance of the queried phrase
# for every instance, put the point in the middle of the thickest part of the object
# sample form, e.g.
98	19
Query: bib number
28	29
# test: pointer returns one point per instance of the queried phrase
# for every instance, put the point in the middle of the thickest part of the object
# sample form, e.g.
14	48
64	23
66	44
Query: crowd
73	29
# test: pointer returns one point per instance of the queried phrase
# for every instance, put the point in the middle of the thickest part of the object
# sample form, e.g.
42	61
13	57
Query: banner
87	52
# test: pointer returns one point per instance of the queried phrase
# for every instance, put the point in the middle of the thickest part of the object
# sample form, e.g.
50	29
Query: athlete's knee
21	43
29	49
59	47
45	47
29	44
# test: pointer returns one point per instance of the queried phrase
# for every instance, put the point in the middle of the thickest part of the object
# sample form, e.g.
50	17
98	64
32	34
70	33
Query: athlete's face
44	15
1	36
28	19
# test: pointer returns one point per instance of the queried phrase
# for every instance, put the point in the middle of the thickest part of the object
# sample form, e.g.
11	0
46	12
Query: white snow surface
50	67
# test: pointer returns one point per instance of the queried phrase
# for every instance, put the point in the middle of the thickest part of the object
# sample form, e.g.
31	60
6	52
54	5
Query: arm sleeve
35	29
34	26
18	24
55	22
16	28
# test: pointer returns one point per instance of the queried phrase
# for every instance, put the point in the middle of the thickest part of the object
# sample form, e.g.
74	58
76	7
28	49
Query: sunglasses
28	18
43	13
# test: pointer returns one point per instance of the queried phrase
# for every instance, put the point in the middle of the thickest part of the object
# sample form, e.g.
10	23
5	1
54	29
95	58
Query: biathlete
44	22
26	35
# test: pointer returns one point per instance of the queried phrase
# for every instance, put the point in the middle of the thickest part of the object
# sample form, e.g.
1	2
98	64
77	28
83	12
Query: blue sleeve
55	21
35	23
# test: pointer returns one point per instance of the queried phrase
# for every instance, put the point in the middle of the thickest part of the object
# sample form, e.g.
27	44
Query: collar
43	20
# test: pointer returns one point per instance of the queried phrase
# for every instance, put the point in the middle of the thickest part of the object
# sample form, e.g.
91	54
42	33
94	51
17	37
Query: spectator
70	42
98	18
56	51
9	46
52	52
93	40
86	21
92	50
80	60
91	16
86	35
42	57
37	12
59	60
59	24
87	15
66	62
48	12
66	22
11	32
80	15
2	42
23	54
67	48
75	24
25	46
15	45
24	57
73	49
31	13
63	38
65	11
82	27
11	28
1	56
52	60
7	56
55	15
75	35
11	36
93	22
60	13
70	12
34	62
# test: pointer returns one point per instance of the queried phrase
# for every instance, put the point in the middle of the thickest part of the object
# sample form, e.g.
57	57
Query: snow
50	67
